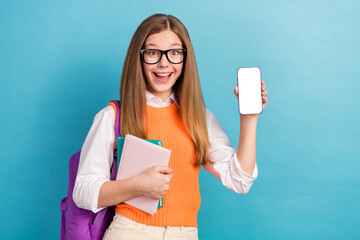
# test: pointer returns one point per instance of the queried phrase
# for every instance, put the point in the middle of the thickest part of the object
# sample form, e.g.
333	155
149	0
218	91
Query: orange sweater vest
182	200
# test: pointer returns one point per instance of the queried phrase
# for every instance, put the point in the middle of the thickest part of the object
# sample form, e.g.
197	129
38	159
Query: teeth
163	74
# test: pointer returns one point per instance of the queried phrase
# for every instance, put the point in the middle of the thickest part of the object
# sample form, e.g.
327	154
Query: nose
164	62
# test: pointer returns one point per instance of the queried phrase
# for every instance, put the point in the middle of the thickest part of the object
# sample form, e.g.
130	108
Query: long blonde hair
187	88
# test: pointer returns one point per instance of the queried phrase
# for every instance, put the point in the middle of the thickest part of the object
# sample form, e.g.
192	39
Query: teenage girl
161	99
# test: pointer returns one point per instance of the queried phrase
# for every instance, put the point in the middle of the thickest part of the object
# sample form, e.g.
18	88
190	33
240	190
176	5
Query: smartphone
249	84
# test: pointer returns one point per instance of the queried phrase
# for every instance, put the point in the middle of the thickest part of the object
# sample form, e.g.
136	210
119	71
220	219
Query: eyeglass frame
163	52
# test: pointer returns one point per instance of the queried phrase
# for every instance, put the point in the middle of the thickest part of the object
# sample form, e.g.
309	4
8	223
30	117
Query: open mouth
162	77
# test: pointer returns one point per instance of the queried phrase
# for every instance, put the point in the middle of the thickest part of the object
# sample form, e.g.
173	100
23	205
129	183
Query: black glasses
153	56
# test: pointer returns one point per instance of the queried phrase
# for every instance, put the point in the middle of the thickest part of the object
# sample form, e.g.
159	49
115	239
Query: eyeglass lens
154	56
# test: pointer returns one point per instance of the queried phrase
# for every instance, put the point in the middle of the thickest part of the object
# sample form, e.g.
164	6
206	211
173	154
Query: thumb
236	92
164	169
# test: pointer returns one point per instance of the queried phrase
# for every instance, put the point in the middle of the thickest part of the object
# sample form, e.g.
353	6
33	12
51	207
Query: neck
162	95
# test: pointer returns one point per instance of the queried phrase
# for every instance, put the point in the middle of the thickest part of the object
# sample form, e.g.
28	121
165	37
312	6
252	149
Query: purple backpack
82	224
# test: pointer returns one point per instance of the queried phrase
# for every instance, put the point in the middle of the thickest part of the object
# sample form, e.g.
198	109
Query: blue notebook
120	146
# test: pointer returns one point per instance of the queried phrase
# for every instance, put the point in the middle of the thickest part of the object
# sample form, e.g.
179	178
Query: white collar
155	101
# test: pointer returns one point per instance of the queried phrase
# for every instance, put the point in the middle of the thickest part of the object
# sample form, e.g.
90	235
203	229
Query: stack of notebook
136	155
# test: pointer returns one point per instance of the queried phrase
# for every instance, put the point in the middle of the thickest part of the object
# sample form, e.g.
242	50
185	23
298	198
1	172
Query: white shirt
97	156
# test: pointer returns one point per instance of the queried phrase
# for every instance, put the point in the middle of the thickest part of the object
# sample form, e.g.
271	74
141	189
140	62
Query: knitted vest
182	200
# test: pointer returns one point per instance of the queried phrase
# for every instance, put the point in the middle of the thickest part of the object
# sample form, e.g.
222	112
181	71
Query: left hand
264	94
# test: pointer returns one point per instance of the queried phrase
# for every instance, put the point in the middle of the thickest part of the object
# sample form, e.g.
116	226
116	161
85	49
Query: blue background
61	61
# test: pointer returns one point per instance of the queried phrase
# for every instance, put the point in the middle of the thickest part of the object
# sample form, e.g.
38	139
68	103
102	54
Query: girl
161	99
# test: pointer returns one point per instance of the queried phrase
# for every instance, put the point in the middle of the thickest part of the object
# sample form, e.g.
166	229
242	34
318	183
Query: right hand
155	181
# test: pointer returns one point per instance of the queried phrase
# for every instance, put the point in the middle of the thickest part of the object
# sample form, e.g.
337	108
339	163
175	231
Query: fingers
263	89
263	86
264	94
164	169
264	100
236	90
155	181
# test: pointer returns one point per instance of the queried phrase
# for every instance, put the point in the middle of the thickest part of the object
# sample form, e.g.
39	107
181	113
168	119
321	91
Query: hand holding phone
249	85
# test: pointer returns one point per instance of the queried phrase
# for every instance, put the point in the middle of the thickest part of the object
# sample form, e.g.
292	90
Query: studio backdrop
61	62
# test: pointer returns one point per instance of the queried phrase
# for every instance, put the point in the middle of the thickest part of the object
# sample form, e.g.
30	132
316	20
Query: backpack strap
116	105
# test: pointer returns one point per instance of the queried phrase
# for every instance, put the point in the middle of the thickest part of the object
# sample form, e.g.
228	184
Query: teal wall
61	61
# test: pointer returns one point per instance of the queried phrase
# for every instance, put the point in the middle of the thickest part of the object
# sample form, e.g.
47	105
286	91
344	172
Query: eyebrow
154	45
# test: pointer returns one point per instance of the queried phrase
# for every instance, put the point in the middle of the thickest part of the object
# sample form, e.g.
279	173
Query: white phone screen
249	84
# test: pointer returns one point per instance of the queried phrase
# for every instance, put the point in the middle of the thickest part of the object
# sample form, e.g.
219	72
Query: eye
152	53
175	52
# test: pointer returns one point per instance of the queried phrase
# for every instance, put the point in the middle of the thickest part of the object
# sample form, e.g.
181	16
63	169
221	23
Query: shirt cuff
86	193
238	174
95	191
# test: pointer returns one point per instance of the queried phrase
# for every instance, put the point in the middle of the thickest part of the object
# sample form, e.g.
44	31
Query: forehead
163	40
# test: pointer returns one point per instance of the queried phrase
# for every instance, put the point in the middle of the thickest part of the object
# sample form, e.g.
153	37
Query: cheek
147	72
179	69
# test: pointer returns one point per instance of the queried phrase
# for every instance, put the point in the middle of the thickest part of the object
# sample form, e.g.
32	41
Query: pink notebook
137	156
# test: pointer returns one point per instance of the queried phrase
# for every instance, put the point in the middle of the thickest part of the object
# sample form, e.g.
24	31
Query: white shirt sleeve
226	167
96	159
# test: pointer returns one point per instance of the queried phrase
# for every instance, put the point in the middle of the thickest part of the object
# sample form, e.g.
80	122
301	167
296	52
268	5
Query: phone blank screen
249	83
